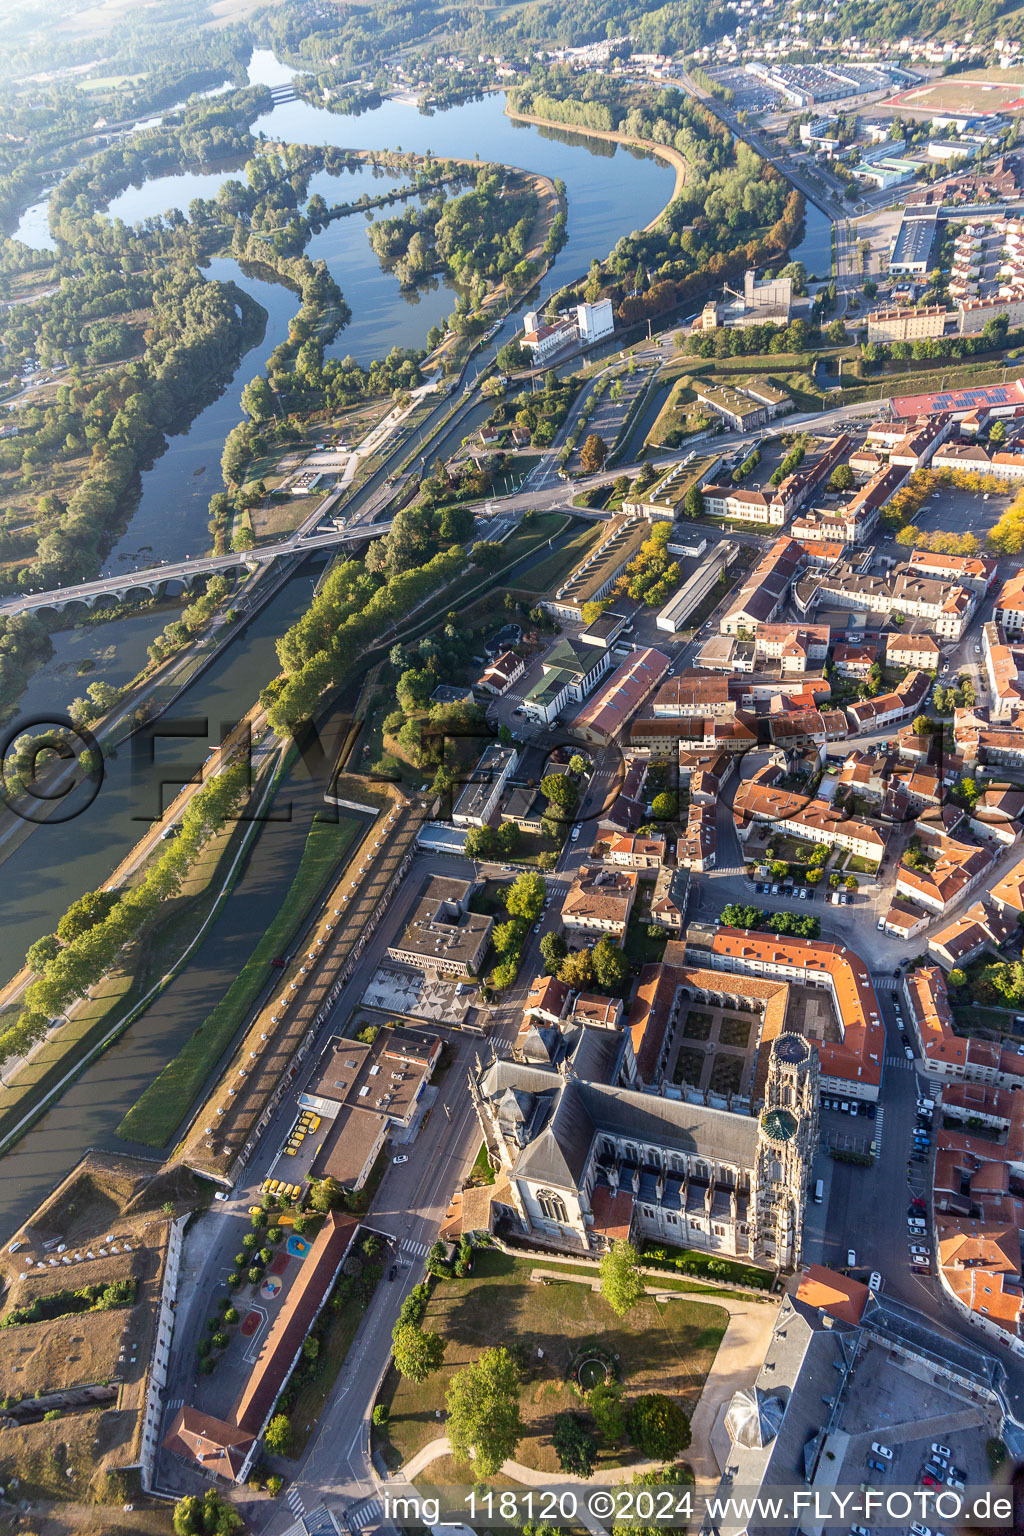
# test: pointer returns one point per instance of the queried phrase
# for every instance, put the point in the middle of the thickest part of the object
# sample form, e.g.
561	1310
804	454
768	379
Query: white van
819	1191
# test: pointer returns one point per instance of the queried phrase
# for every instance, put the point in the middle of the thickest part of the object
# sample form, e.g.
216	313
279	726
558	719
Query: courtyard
716	1049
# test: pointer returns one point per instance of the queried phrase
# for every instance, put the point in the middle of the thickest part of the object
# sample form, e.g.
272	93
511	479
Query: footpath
735	1365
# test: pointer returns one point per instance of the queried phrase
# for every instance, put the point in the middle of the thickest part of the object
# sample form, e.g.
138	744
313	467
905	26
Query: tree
525	896
693	502
778	869
561	791
658	1426
835	880
593	453
484	1420
851	883
577	969
574	1448
208	1516
665	805
969	792
841	478
277	1437
577	765
326	1194
622	1284
553	950
997	434
508	838
605	1404
481	843
487	553
611	968
922	726
417	1353
956	977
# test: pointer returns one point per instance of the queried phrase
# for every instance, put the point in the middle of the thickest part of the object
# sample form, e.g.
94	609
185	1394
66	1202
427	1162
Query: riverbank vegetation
97	927
735	211
155	1116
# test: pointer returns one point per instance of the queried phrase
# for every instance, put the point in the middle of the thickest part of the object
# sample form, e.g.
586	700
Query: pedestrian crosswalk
294	1501
174	1404
416	1250
365	1513
879	1122
902	1062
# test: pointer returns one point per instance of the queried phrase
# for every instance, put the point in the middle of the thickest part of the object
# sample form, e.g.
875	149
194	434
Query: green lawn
312	1395
153	1118
546	572
660	1346
641	947
857	866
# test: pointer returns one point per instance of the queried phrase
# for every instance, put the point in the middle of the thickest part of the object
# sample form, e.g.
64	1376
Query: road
408	1208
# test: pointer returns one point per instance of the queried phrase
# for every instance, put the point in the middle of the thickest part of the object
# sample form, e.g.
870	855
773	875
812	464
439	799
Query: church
593	1140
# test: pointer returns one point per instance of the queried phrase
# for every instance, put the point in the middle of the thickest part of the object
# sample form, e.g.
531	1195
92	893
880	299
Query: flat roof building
443	937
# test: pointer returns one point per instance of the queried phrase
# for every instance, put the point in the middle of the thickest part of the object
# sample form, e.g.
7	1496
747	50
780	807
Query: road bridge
183	573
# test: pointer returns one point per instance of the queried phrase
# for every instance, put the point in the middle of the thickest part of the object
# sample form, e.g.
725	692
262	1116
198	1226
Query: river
610	191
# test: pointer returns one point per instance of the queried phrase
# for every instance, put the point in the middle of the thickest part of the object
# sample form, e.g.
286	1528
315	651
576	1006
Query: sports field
981	94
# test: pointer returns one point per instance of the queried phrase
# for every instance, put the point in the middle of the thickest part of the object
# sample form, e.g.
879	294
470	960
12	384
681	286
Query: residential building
886	325
1009	606
954	874
697	848
981	927
600	901
889	708
756	802
796	647
634	852
920	652
503	671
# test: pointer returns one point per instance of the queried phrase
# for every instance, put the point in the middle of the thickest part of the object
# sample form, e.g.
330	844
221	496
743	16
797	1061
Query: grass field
981	91
660	1346
154	1117
546	572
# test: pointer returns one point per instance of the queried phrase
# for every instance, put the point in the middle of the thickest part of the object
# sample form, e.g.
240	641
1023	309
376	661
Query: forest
477	237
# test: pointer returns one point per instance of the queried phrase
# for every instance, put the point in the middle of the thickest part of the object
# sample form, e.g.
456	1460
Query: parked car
397	1161
882	1450
920	1253
876	1466
938	1449
851	1257
908	1053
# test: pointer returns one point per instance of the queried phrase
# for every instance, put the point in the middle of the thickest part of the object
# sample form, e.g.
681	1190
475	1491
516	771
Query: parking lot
907	1413
751	94
956	511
